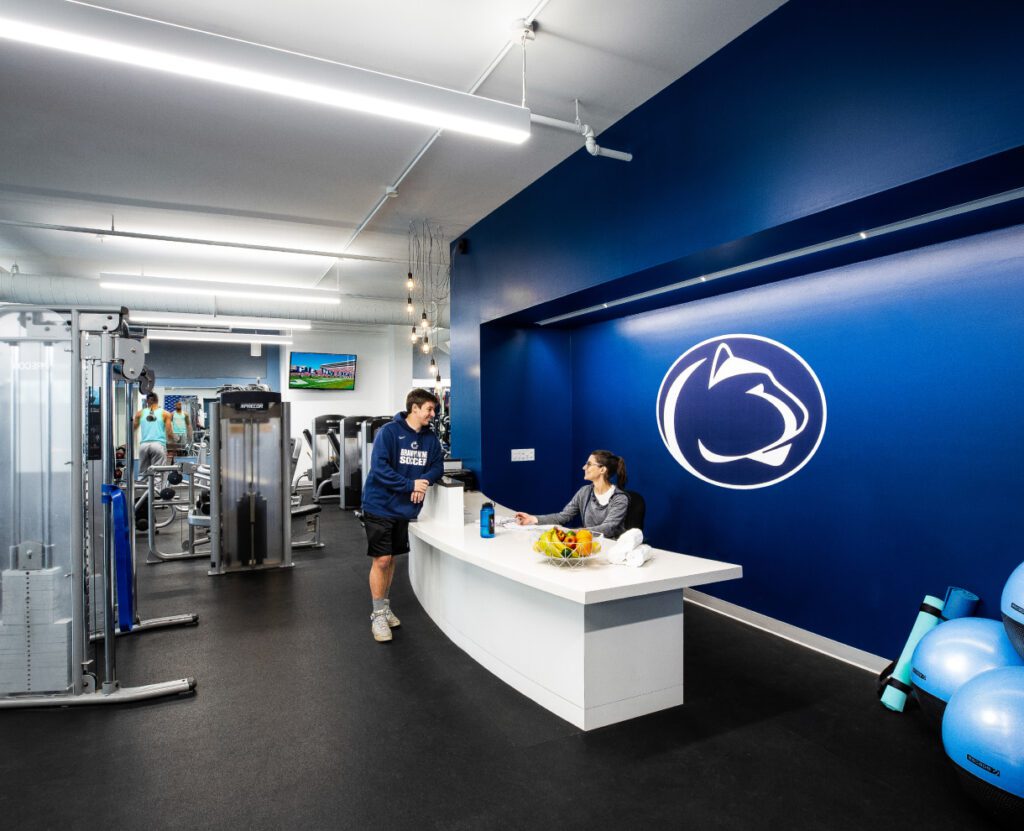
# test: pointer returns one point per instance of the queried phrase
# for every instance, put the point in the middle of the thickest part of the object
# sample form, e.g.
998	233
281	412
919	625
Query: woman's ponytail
615	465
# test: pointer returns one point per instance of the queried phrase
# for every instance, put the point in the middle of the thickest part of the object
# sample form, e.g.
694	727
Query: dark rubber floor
301	720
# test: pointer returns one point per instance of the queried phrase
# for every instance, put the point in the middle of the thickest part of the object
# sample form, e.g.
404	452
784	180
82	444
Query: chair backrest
636	512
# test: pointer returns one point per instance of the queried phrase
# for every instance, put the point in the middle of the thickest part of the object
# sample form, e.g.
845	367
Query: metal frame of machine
250	499
96	335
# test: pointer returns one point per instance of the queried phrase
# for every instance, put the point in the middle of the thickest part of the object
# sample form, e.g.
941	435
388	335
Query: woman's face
592	471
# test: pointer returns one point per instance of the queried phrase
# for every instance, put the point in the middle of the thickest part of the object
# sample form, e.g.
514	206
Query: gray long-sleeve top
607	519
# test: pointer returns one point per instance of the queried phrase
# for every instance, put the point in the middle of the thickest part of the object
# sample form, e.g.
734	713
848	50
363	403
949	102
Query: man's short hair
152	396
419	397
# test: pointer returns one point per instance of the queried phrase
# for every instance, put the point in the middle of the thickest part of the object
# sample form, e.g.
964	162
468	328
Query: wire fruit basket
566	547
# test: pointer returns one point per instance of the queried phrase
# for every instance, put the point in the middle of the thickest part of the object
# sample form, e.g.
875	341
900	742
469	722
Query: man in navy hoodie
407	459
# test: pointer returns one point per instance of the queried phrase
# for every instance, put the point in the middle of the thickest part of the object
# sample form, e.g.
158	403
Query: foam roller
897	687
959	603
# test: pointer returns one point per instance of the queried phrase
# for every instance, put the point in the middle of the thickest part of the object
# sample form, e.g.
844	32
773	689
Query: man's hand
419	491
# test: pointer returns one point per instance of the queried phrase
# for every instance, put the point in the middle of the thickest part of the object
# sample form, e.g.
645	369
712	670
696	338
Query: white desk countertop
510	554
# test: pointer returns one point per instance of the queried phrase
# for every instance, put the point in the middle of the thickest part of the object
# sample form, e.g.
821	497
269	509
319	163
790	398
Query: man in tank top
154	425
181	426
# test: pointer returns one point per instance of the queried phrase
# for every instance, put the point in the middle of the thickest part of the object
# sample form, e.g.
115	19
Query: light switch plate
523	454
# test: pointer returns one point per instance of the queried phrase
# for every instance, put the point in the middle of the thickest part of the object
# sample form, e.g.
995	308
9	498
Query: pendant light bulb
433	363
414	337
408	304
409	284
423	321
425	347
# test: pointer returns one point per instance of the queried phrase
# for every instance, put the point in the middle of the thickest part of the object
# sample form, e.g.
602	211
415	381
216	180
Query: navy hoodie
400	457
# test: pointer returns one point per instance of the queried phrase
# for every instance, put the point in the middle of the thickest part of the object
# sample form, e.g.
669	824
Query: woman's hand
525	519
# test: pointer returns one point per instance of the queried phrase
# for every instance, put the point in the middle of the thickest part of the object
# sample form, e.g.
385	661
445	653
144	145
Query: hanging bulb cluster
429	279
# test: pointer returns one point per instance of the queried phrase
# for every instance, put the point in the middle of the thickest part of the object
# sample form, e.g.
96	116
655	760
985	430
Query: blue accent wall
916	484
816	122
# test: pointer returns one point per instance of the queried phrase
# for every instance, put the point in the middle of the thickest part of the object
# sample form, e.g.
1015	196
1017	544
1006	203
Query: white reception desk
595	644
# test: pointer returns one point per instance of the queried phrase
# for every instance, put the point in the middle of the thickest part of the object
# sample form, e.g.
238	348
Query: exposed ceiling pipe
248	246
46	290
391	190
585	130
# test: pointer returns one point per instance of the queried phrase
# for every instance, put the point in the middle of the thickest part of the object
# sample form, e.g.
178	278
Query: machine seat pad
305	510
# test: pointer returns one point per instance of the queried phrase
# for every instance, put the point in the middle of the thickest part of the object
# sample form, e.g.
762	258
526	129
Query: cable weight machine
46	523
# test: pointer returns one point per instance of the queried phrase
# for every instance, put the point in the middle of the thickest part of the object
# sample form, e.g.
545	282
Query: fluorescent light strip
501	128
209	289
215	337
218	321
881	230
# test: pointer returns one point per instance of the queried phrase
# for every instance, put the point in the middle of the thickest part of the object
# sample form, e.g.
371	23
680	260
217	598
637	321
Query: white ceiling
86	142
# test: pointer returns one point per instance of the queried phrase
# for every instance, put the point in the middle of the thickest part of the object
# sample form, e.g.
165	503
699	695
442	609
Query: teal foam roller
898	686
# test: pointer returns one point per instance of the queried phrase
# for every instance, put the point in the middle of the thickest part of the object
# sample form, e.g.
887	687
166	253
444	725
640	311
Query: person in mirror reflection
181	425
154	425
599	505
407	459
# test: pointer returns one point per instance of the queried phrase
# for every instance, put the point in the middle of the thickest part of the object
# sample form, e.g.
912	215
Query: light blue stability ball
1012	607
983	733
952	654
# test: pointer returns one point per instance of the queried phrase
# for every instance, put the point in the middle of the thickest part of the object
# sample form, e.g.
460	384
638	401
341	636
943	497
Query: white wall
383	372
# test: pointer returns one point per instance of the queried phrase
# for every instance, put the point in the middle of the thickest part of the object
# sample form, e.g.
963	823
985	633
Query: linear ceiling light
208	57
152	285
218	321
215	337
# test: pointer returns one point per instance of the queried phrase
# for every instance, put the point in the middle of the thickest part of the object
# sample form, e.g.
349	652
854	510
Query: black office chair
636	512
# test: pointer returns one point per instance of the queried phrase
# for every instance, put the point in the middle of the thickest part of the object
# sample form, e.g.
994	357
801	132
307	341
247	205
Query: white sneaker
379	626
393	620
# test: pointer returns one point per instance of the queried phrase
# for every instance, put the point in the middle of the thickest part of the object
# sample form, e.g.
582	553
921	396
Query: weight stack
35	644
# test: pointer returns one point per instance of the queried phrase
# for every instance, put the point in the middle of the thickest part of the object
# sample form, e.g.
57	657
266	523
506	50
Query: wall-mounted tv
321	371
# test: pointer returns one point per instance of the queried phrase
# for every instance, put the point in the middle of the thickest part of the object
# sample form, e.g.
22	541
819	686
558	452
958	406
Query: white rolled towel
639	555
626	543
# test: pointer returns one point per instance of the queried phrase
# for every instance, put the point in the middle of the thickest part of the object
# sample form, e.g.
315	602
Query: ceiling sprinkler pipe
585	130
594	149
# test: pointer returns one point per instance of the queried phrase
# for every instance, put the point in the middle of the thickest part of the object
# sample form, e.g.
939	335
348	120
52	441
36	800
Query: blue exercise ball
953	653
983	733
1012	607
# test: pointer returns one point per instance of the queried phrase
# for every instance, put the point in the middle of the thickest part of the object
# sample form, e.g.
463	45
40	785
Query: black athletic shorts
385	536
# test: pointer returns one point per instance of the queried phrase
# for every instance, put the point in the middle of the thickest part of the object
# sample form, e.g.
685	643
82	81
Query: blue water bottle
487	519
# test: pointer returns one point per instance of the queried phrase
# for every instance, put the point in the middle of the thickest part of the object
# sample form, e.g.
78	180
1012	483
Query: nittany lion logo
741	411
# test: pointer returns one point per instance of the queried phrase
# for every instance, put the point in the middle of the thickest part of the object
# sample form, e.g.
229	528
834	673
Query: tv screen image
321	371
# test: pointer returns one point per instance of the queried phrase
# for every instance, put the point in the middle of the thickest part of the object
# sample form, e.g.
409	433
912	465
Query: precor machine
367	433
324	457
46	653
350	467
250	499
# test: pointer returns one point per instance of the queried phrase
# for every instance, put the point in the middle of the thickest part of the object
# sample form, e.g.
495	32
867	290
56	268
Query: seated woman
600	505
